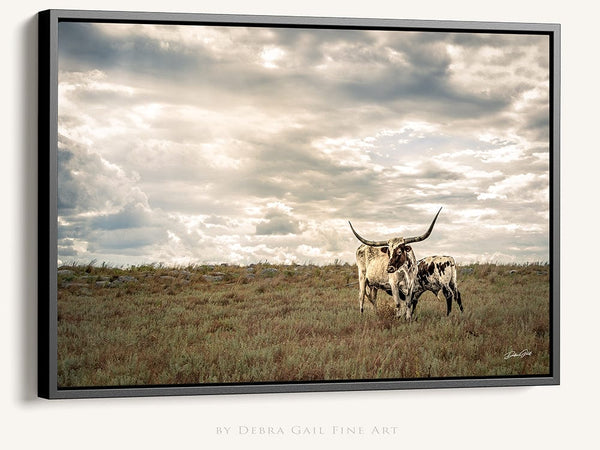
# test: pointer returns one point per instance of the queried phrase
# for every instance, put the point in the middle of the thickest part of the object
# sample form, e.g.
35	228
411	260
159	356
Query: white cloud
271	56
508	188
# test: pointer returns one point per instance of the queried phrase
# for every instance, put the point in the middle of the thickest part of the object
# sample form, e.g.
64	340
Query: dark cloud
278	222
69	189
83	46
131	216
66	247
433	173
134	239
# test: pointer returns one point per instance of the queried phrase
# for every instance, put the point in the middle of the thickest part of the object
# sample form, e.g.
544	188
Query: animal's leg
414	301
449	296
457	298
409	308
373	297
362	287
413	306
396	297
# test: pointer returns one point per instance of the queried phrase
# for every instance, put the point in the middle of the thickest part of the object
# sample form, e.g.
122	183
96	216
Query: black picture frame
48	189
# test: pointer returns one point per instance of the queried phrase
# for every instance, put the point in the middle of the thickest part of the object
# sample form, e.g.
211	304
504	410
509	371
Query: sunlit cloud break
209	144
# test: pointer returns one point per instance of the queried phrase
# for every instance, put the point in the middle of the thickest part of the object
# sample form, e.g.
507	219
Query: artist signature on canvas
513	354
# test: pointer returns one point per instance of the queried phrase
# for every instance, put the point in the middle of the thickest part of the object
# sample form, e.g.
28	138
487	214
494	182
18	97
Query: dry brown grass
175	326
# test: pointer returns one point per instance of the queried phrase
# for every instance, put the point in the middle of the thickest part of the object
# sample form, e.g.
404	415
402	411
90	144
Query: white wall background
538	417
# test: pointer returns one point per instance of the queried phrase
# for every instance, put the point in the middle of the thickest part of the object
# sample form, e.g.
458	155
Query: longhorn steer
435	274
389	265
375	272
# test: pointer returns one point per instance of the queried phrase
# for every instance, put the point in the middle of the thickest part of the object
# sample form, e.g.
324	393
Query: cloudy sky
196	144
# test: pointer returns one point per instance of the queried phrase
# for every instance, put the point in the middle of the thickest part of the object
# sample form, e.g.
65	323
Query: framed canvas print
245	204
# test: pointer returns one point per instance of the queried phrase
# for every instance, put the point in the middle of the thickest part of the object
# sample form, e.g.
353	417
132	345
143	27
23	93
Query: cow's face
398	252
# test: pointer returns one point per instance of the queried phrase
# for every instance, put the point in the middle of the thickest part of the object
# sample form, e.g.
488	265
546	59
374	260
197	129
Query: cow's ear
384	250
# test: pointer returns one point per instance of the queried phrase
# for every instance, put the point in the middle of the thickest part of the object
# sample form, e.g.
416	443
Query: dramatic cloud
192	144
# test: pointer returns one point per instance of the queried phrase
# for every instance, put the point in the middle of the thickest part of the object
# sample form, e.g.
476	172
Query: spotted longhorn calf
435	274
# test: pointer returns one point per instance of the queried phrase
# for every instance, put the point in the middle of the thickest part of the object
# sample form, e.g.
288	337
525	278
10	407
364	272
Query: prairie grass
154	325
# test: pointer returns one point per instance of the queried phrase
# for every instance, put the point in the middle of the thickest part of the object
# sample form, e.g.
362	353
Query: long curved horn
367	242
423	236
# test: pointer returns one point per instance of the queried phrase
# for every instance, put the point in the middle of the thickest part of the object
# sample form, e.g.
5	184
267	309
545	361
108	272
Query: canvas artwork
242	205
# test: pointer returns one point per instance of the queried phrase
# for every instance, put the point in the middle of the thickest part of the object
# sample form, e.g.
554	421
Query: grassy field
151	325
